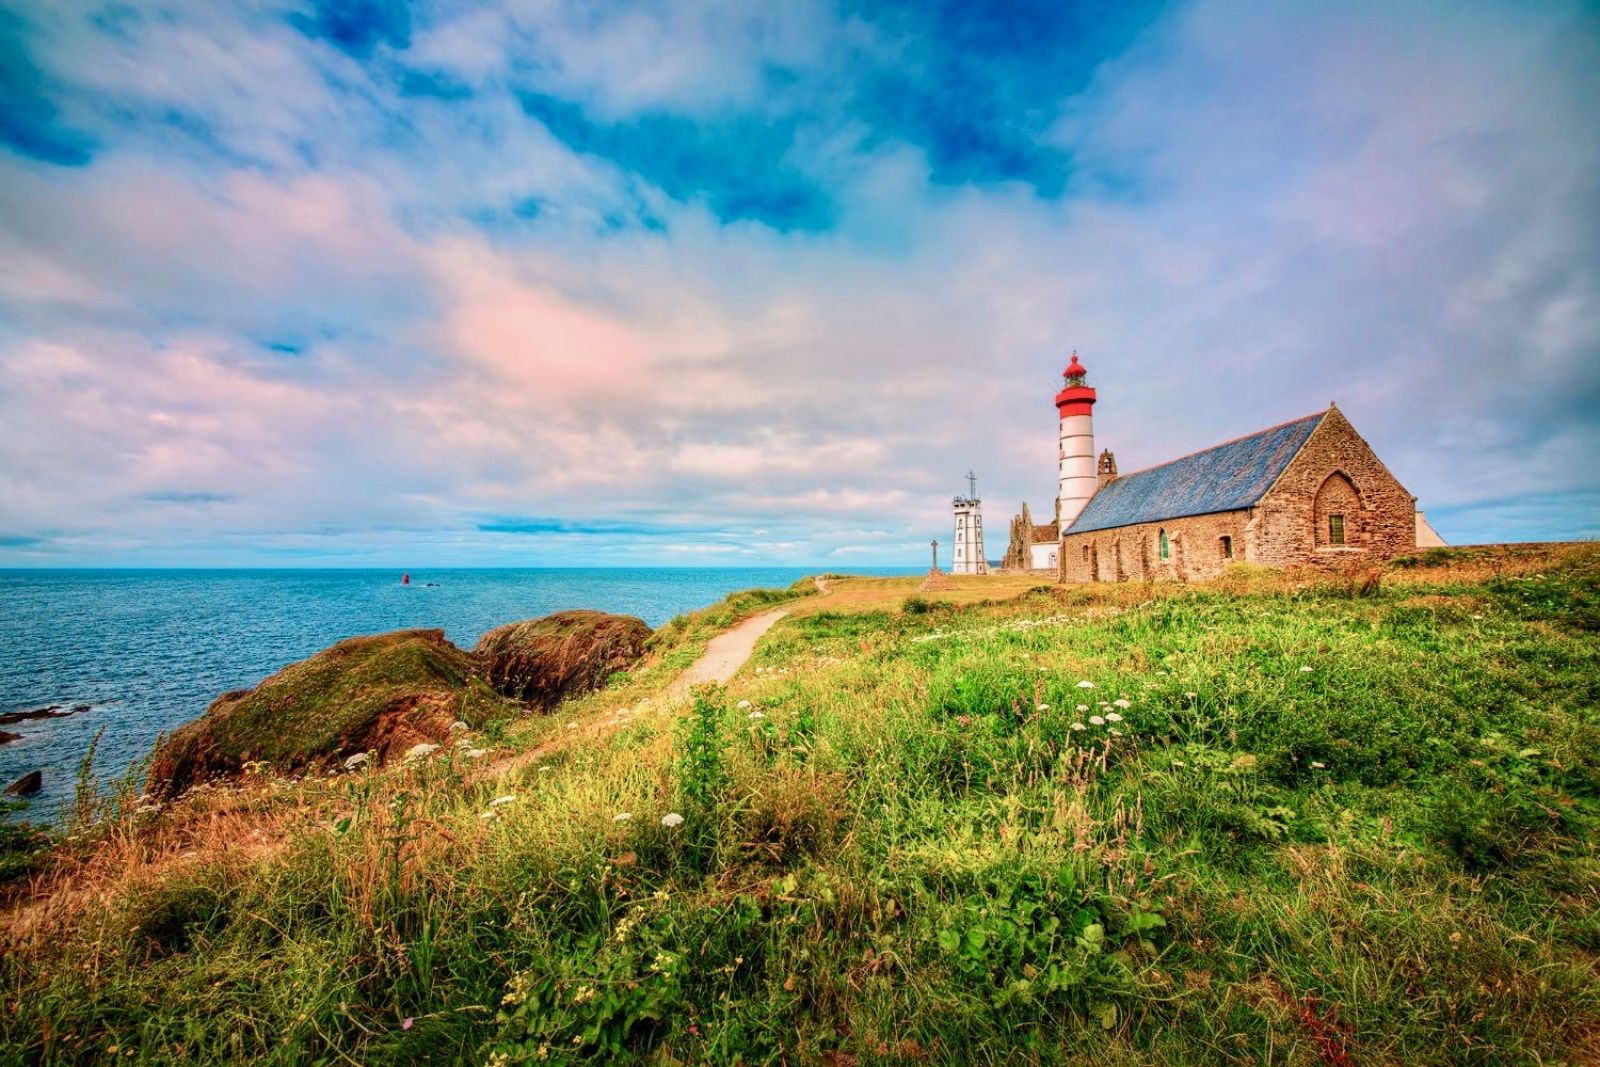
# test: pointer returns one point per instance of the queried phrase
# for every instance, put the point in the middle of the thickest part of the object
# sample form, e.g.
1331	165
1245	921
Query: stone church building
1310	492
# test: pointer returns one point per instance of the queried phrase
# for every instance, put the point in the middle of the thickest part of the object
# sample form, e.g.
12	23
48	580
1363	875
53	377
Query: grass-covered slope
1262	820
385	692
543	661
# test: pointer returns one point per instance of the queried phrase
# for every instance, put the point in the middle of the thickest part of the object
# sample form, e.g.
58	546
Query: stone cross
935	546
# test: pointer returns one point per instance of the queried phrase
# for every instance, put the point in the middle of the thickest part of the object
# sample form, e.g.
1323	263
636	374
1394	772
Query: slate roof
1225	477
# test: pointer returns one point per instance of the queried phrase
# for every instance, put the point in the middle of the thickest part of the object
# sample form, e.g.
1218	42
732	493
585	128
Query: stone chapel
1309	492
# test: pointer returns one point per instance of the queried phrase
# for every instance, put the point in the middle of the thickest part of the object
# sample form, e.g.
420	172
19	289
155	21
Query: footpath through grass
1262	820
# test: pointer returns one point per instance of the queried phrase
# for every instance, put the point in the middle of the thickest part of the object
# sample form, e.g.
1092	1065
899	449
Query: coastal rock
544	661
27	785
51	711
6	737
384	694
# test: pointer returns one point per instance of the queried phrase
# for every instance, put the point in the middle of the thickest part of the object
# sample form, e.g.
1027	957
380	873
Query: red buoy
405	579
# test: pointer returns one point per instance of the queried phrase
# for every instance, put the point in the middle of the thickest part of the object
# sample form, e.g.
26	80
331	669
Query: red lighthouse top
1076	398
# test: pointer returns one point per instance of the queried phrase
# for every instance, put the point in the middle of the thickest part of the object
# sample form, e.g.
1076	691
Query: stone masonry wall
1133	553
1292	519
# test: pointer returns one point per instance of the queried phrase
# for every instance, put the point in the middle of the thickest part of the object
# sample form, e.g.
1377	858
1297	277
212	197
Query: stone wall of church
1195	549
1335	473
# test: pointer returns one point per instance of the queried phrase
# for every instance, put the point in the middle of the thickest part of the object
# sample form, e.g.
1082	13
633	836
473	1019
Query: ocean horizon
139	651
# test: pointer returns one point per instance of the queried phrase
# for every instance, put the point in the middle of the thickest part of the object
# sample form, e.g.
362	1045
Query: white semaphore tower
968	556
1079	480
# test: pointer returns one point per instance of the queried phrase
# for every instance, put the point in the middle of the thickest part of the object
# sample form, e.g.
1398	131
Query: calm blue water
150	649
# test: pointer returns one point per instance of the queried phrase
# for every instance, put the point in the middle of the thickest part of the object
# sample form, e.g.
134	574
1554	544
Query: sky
379	283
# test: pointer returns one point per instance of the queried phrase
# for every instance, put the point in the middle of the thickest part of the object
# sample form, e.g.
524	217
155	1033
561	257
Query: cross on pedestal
935	546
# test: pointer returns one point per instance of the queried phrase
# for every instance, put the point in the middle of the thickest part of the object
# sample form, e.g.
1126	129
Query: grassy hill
1267	819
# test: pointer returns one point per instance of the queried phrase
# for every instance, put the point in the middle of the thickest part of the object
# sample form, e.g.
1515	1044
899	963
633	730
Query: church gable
1336	499
1226	477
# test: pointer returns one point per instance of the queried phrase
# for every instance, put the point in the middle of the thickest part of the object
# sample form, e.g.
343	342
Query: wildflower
474	753
583	995
498	801
572	726
1305	670
458	727
1191	696
1079	726
1042	707
1123	703
1085	684
1179	763
418	751
1318	764
622	816
352	762
406	1025
1083	707
488	814
672	818
544	768
1115	732
1095	720
743	704
1112	716
755	715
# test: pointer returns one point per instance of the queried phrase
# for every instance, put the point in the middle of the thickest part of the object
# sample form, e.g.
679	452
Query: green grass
902	850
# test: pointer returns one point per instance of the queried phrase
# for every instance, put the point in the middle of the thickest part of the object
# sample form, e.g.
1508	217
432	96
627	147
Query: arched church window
1165	546
1227	547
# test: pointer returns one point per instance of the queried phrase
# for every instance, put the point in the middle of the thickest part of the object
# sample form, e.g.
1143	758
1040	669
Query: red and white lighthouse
1075	404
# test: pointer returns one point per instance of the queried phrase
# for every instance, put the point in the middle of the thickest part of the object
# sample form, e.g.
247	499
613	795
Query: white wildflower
1083	707
743	704
755	715
572	726
1179	763
1115	732
498	801
352	762
424	749
1124	703
1085	684
474	753
459	727
488	814
1042	707
1305	670
1112	716
672	818
1191	696
1079	726
622	816
1095	720
1318	764
544	769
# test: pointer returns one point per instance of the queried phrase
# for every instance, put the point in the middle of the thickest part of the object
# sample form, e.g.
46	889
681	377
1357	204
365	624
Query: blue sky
408	284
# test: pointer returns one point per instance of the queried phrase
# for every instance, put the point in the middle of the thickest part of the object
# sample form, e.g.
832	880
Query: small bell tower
1108	468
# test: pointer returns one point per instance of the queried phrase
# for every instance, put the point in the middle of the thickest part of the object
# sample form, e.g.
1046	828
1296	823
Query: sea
140	652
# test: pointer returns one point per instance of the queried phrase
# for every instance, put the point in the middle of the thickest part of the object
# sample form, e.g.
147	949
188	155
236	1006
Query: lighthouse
1079	478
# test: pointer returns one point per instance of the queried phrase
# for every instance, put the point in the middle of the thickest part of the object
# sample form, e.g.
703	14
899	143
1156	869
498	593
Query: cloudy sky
378	283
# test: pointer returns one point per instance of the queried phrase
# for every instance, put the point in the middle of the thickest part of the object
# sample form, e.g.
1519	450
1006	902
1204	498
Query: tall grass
1293	821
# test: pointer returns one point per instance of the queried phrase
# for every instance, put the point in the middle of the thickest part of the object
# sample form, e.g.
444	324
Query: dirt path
726	653
723	657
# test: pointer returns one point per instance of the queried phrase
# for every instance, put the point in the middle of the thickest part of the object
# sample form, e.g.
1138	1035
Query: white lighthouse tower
968	557
1079	479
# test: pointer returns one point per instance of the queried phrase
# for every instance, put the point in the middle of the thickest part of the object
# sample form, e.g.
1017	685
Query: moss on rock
543	661
383	693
